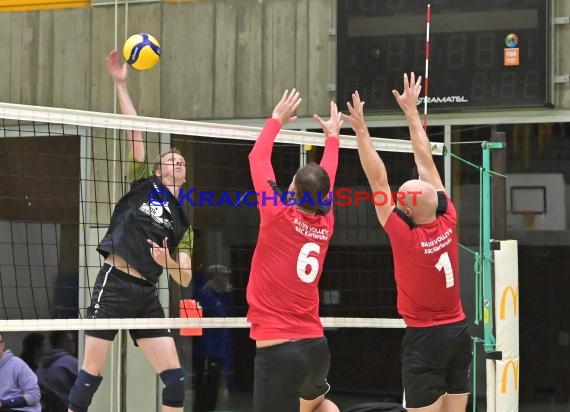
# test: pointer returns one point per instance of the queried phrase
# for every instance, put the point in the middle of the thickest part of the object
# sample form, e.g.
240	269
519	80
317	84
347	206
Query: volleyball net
64	170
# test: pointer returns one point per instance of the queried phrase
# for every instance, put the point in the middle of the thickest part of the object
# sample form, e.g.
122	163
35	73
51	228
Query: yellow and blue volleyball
141	51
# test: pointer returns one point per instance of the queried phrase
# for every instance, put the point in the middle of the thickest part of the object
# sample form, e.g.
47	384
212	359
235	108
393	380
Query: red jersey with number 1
426	267
282	292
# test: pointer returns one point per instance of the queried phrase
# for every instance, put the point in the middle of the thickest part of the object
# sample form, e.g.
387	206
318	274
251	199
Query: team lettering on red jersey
282	291
426	268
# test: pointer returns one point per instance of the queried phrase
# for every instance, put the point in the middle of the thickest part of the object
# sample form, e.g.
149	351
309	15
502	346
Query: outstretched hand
117	70
286	109
332	126
356	118
160	254
408	100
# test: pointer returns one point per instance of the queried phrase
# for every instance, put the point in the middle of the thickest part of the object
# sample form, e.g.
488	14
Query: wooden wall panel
6	49
42	82
322	52
102	41
302	56
225	58
15	40
27	63
278	52
72	63
248	99
187	60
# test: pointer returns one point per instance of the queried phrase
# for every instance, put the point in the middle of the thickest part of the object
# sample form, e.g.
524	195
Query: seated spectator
58	371
19	390
212	351
33	348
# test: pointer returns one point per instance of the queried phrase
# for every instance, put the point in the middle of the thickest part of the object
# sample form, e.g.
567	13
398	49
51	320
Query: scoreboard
483	53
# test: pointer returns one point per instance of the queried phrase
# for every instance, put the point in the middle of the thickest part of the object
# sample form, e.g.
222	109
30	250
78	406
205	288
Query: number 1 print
445	264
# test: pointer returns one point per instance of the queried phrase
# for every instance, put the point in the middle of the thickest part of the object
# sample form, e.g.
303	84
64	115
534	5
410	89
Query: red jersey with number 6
426	266
282	292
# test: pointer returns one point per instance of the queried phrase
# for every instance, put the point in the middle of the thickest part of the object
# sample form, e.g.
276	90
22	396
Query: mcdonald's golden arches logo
504	378
509	290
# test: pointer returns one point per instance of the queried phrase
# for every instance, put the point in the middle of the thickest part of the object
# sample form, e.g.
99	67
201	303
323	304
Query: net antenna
426	78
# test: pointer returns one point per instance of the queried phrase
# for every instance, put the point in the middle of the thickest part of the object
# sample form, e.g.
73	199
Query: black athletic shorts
119	295
289	371
435	362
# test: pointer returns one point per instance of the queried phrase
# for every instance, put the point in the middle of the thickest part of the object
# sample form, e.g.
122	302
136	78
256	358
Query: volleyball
141	51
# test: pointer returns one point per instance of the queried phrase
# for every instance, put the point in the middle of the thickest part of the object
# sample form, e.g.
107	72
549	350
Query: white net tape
40	114
175	323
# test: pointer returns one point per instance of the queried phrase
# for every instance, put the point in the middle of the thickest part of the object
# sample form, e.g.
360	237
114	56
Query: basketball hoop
528	218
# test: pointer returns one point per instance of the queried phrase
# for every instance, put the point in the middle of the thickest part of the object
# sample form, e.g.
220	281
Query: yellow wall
28	5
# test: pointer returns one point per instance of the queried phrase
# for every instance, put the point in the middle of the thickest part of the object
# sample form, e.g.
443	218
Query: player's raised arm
260	156
420	142
331	129
119	72
369	159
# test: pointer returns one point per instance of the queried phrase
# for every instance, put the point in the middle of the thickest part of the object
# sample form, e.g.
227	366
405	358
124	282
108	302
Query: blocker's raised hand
356	109
286	109
332	126
408	100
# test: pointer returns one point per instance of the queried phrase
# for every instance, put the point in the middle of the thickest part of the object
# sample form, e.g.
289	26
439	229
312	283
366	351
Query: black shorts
119	295
289	371
435	362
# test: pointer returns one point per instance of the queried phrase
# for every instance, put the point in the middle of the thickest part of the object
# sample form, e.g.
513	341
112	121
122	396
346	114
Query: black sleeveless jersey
138	216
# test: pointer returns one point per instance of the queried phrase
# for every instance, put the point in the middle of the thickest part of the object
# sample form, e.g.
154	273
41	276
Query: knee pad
83	390
175	386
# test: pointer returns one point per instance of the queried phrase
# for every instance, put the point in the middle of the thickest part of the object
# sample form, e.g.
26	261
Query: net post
489	338
499	189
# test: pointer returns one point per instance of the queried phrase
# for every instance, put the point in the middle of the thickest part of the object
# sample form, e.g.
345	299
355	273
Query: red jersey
282	292
426	267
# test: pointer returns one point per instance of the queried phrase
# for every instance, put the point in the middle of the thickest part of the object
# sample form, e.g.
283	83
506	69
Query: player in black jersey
146	235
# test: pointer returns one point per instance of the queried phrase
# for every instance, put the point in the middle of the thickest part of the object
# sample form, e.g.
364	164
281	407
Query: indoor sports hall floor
241	402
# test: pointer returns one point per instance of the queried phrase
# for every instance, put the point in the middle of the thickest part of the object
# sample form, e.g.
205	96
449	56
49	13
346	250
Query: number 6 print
304	261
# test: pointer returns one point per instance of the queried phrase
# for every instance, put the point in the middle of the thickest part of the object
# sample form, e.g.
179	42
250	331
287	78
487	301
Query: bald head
418	200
